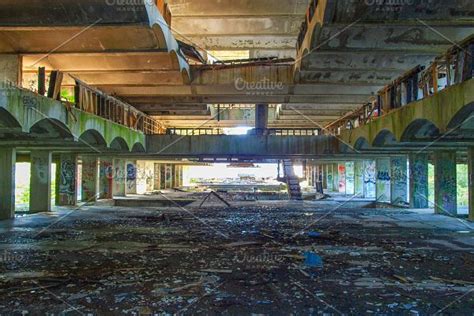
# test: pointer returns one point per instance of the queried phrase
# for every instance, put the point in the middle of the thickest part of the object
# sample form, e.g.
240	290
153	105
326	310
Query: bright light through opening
242	130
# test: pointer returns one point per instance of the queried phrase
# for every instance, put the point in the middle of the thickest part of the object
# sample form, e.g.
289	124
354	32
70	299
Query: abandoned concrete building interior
236	157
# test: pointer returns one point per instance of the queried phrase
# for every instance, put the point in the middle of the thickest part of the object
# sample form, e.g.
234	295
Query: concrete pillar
341	168
370	176
335	178
325	178
90	178
261	118
418	180
330	177
145	175
10	69
359	178
7	184
399	177
383	180
106	174
131	173
169	176
470	166
445	182
66	176
350	178
40	181
157	178
119	178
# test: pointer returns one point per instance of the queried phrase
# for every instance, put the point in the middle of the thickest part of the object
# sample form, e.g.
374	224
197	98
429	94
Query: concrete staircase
293	182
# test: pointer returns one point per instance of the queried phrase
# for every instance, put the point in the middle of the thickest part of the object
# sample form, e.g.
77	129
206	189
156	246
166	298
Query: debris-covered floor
264	258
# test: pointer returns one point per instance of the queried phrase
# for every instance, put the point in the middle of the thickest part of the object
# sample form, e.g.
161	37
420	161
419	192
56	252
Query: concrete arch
464	117
51	128
119	144
383	138
361	144
138	148
419	128
93	137
7	120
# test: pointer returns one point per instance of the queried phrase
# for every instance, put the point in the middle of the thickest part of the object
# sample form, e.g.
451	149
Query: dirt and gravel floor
253	258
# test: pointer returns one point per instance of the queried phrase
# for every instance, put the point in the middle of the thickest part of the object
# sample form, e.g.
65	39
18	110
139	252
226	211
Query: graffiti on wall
342	178
370	177
399	180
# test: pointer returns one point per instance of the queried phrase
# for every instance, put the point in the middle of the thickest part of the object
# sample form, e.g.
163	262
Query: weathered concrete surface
7	185
241	146
40	181
442	110
66	180
22	110
445	200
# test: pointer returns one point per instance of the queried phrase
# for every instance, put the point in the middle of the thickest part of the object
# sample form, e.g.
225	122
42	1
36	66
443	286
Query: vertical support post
261	118
40	181
157	179
342	177
7	185
41	80
106	174
131	187
418	180
325	178
445	183
383	180
66	175
398	176
350	178
370	177
359	178
90	178
470	167
119	177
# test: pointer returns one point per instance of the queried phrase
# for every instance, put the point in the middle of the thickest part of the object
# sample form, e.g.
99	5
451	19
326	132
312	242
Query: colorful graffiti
67	181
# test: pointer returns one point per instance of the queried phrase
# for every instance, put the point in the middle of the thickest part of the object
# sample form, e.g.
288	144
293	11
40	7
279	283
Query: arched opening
361	144
93	138
119	144
138	148
51	128
420	129
384	138
463	122
7	120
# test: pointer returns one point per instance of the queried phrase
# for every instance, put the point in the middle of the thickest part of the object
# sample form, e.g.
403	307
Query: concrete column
470	166
106	174
399	177
341	172
418	180
324	169
370	176
10	68
261	118
90	179
66	175
350	178
40	181
383	180
445	182
335	170
7	184
131	173
359	178
145	174
330	176
119	177
157	178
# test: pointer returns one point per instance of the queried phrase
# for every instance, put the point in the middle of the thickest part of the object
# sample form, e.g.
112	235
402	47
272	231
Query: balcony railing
94	101
455	66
